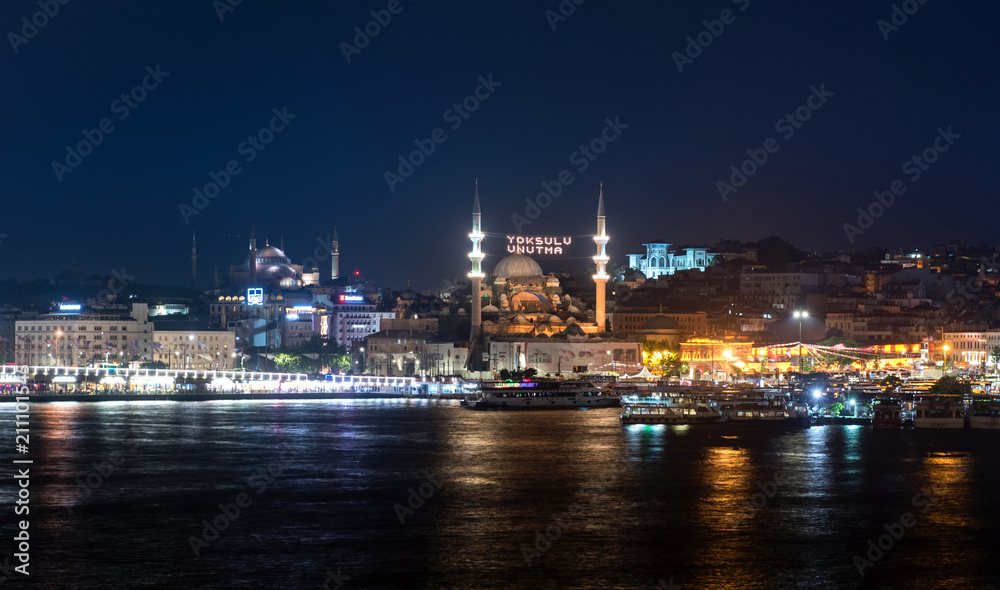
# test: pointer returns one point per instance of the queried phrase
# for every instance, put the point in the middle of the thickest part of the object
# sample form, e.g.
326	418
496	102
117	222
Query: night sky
222	78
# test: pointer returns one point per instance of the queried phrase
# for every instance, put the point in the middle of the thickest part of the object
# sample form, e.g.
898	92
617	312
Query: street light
800	315
59	334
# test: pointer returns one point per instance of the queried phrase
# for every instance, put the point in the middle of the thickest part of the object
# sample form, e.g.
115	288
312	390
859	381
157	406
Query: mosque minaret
476	257
601	277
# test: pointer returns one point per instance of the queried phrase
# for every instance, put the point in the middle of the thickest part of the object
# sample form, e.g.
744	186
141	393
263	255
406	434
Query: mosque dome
573	309
660	322
491	309
519	319
517	265
272	255
554	319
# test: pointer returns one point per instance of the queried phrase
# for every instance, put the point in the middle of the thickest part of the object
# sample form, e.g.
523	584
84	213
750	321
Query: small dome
573	309
519	319
660	322
491	309
635	275
461	311
409	295
554	319
574	330
570	320
517	265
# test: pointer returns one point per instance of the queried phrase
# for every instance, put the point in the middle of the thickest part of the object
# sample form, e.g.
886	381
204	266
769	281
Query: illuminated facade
194	349
271	269
660	259
712	359
85	337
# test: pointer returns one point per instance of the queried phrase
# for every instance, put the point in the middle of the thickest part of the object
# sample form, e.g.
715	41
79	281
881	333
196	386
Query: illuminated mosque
521	317
270	268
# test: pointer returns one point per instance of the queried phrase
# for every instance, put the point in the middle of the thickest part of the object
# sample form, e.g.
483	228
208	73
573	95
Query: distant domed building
270	268
660	329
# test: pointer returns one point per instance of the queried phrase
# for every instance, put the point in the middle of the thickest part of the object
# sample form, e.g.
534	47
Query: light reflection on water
667	512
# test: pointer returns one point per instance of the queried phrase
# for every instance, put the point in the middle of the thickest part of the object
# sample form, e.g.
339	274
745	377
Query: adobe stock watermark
913	168
123	107
336	578
249	149
581	158
230	513
223	6
899	16
321	253
363	35
971	289
758	500
787	126
561	521
101	471
417	496
122	279
667	585
38	21
713	30
566	9
456	115
894	531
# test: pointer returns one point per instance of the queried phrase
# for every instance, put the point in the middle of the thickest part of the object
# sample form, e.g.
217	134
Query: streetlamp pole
800	315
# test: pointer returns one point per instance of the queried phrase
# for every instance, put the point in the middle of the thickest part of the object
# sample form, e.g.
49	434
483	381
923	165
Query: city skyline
305	122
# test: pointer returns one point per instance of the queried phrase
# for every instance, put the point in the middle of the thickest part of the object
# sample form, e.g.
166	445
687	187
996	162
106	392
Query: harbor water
424	494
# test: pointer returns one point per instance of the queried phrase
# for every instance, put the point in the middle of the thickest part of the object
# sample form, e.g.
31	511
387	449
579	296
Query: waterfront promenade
115	383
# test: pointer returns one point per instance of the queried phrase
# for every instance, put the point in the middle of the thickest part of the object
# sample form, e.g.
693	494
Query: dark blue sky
120	206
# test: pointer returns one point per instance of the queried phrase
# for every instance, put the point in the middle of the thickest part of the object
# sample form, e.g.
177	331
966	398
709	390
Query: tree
287	363
995	355
948	385
836	408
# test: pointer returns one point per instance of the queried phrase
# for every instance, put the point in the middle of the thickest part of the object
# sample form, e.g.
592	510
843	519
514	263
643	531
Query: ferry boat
939	412
887	413
539	394
665	409
984	414
762	406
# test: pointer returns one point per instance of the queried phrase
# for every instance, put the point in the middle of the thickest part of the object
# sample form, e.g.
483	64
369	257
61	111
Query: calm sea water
624	507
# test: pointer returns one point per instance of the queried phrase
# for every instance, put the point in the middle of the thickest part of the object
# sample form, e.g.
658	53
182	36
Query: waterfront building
712	359
396	352
79	335
191	345
354	320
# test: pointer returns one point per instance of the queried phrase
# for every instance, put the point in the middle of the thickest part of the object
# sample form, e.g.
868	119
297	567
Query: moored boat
939	412
984	414
762	406
887	413
539	394
666	409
